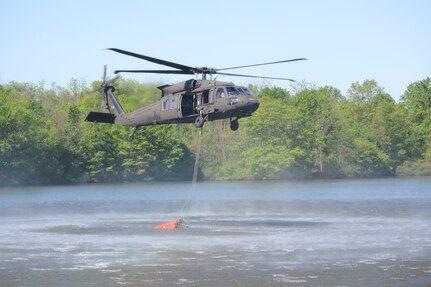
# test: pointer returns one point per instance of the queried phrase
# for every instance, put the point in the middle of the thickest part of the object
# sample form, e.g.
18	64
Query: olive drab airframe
191	101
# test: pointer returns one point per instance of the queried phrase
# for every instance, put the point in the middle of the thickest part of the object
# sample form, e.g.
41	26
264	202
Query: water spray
179	223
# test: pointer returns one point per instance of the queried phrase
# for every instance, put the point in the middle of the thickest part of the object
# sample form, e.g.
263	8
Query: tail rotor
108	101
104	86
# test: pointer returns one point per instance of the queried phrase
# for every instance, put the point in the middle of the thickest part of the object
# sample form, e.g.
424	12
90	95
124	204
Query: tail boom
116	113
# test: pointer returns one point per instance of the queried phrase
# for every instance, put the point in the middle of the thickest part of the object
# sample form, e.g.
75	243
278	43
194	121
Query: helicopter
192	101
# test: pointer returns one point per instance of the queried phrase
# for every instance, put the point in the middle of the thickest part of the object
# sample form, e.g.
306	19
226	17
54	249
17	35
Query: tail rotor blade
95	90
105	80
105	68
113	80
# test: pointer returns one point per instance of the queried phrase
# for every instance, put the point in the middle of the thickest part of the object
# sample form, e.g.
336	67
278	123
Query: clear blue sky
345	41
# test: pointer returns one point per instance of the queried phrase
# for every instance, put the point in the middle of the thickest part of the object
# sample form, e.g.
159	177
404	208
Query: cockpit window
246	91
220	93
232	91
241	91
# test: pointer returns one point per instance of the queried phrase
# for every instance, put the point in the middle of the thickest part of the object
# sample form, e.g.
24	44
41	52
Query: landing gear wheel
199	122
234	125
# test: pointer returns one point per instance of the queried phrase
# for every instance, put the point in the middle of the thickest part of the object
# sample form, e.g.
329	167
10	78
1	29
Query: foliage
309	132
44	140
417	99
415	168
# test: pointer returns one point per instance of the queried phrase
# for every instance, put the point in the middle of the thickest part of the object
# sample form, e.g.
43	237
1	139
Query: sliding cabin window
207	97
165	104
173	103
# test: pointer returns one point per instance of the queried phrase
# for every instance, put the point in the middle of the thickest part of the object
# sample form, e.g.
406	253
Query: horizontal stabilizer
100	117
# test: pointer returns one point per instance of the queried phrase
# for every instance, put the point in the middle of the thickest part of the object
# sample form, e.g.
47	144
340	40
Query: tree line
305	132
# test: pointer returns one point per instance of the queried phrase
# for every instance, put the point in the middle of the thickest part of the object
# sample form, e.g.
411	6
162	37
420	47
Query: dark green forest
305	132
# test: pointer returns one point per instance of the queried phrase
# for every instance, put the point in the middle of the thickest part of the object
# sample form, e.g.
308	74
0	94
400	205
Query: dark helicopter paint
191	101
100	118
210	101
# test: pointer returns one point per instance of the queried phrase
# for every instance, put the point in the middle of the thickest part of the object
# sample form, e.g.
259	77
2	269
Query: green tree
308	132
318	134
417	99
28	142
381	132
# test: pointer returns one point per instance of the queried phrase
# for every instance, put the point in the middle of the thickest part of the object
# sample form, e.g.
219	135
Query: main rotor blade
181	72
261	77
269	63
154	60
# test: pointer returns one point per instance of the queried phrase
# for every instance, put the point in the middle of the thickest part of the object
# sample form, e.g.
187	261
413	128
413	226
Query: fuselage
185	101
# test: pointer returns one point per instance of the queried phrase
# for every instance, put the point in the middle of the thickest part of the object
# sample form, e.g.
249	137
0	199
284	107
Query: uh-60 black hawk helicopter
191	101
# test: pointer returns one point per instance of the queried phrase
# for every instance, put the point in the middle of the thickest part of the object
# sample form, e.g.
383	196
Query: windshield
245	91
232	91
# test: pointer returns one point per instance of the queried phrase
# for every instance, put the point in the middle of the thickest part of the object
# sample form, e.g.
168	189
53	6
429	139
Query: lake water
306	233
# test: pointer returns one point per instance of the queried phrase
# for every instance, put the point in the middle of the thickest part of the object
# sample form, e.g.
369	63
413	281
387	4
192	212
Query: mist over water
306	233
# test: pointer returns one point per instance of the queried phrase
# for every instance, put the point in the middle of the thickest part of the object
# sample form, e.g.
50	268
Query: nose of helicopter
254	105
250	104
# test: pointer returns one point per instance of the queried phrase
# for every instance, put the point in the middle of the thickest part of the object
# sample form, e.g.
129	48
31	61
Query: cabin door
188	105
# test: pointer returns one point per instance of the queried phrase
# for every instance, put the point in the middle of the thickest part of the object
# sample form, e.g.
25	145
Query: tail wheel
199	122
234	125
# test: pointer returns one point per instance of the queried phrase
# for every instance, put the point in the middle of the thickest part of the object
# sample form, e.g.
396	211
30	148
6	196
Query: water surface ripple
307	233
